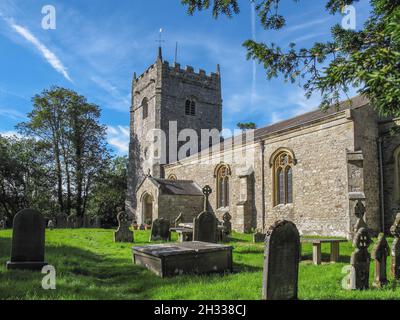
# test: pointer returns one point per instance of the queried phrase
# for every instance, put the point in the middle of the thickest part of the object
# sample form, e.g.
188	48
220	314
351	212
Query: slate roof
357	102
177	187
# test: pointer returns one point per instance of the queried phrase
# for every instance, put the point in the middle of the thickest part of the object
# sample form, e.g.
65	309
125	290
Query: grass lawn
90	265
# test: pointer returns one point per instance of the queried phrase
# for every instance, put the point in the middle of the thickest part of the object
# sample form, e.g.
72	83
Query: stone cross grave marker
178	220
380	253
205	225
360	261
160	230
281	262
28	241
359	212
123	233
395	252
226	226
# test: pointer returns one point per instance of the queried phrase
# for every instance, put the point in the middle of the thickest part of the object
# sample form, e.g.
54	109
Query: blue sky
98	44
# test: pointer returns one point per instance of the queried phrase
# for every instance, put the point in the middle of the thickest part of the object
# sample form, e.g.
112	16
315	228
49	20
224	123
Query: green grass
90	265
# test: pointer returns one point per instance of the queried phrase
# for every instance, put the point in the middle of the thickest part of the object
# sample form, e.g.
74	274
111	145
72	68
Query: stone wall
170	206
391	178
320	204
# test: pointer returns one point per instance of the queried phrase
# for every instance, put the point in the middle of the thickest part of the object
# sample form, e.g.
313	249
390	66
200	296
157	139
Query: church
312	169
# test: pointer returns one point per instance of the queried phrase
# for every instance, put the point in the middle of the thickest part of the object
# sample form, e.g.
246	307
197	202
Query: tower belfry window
145	107
190	107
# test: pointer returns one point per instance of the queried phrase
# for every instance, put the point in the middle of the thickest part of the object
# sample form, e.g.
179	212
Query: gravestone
2	225
160	230
96	222
50	224
178	220
61	221
395	252
259	236
28	241
205	225
123	233
226	227
281	261
380	253
359	212
360	260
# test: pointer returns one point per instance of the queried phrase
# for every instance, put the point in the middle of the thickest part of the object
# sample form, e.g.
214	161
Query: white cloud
50	57
307	24
10	134
118	138
12	114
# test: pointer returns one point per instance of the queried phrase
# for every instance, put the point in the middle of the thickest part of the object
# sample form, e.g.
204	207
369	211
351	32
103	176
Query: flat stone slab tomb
167	260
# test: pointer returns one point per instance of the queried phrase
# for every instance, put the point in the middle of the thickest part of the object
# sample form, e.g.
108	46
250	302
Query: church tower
165	96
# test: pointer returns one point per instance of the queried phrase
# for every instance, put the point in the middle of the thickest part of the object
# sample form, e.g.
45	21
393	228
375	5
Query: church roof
177	187
308	117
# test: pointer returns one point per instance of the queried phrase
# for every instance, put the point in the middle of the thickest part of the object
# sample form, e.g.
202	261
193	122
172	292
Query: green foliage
25	180
368	60
109	192
246	125
69	126
89	265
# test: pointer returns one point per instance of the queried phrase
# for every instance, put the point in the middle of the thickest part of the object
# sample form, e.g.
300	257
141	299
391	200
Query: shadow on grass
242	267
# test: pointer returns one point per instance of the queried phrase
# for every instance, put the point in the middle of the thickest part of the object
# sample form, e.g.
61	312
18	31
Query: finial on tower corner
218	69
160	41
134	77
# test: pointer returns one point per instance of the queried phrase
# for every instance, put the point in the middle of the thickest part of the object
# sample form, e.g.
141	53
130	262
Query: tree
25	178
368	60
69	126
108	195
246	125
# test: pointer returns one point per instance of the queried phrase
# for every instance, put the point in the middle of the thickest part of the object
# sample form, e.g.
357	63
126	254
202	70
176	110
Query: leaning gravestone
28	241
123	233
360	261
395	252
380	253
160	230
281	262
205	225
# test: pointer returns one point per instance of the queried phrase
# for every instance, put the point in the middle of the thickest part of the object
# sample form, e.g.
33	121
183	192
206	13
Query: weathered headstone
360	261
380	253
61	221
178	220
281	262
395	252
359	212
205	225
123	233
28	241
50	225
259	236
2	224
226	227
160	230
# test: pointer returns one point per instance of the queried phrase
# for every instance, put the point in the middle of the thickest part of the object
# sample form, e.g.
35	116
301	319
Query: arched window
282	165
145	108
172	177
190	107
222	175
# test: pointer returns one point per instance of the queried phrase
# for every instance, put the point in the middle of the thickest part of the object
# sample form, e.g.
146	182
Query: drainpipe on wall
262	148
382	197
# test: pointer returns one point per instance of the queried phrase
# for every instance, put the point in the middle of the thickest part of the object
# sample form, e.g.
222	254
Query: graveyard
90	265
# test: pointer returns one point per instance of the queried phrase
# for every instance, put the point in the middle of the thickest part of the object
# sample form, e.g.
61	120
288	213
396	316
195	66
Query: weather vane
160	41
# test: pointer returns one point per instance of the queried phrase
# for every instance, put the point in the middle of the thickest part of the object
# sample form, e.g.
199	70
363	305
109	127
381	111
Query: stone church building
311	169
